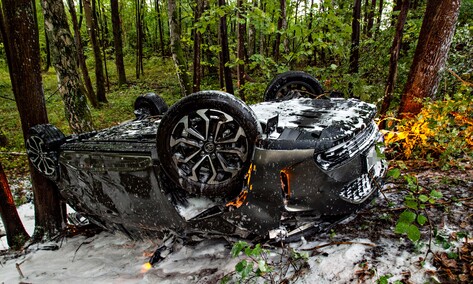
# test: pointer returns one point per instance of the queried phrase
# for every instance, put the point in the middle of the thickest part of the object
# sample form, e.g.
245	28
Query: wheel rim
295	90
38	156
208	146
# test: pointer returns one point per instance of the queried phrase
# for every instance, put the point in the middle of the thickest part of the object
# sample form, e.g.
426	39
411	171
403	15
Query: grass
159	77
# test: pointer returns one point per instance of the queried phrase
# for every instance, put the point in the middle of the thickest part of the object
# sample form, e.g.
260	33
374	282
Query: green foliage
416	200
257	264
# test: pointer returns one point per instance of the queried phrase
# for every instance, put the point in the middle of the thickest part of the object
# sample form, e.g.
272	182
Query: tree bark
197	51
160	28
225	52
395	49
176	50
16	233
92	27
81	58
65	62
282	24
139	36
431	52
241	29
21	34
117	42
355	42
48	53
369	26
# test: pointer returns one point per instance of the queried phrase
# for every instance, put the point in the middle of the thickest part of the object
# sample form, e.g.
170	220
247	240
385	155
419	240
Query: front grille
361	188
334	156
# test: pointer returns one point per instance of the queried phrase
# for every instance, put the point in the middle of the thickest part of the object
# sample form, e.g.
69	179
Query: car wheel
149	104
42	148
206	141
292	84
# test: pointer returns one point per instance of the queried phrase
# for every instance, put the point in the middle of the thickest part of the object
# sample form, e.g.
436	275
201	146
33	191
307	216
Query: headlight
336	155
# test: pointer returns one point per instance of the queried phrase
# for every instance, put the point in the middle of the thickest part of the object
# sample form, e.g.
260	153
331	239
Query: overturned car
211	164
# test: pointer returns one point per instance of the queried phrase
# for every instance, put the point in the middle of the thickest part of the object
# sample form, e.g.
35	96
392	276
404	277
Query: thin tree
14	229
65	62
160	27
92	27
355	42
197	49
241	30
438	27
282	25
20	33
117	42
176	49
225	72
80	56
395	50
139	13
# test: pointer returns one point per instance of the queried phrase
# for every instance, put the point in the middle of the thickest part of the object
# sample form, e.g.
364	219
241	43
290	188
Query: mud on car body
212	164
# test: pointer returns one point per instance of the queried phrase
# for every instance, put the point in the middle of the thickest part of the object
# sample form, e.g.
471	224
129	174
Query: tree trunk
16	233
225	53
241	28
395	49
380	16
252	33
92	27
139	37
103	35
117	42
431	52
160	28
197	52
355	42
370	24
282	23
21	34
176	50
48	53
80	56
65	62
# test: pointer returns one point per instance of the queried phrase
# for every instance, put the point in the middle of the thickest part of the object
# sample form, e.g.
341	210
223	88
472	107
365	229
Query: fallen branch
339	243
19	269
459	78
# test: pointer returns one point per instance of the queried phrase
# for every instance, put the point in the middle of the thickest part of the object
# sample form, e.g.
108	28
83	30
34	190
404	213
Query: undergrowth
442	133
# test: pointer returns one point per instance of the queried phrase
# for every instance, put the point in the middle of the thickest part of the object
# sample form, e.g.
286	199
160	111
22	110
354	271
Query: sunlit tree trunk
431	52
225	52
176	49
81	58
16	233
65	63
395	49
92	27
20	33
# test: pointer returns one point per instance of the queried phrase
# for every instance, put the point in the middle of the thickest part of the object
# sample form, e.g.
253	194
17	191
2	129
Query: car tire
149	104
292	84
42	148
205	143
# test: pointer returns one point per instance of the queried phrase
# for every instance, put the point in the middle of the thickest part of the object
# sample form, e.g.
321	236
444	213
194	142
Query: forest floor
364	249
